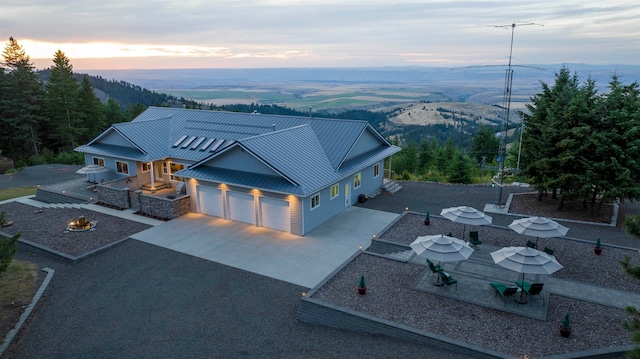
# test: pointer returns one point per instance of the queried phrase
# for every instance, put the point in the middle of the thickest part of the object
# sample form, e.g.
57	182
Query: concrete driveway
304	261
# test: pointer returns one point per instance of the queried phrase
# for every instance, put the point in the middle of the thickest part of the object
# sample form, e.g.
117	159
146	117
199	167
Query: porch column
389	166
153	178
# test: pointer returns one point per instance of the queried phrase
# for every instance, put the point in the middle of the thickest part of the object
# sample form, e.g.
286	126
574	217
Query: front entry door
347	199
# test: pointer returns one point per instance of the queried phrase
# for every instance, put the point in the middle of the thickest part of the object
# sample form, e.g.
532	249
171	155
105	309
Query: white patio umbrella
441	248
525	260
92	169
539	227
466	215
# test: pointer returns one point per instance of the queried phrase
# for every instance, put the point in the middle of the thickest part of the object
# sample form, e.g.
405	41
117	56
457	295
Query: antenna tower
506	109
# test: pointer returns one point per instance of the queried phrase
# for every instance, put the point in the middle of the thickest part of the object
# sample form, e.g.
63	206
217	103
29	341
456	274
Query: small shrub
8	247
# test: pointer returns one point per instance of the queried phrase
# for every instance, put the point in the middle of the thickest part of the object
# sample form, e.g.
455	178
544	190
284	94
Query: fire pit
81	225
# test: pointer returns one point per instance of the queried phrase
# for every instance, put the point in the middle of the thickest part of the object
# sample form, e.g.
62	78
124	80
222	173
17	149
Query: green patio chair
535	290
474	240
504	291
531	244
448	280
435	268
548	251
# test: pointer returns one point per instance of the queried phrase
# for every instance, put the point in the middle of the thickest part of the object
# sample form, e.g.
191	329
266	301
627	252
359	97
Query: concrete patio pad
303	261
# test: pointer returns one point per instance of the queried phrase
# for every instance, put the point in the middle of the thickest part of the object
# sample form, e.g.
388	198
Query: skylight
177	143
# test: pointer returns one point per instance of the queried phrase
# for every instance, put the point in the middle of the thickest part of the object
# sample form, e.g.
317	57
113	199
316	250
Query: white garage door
274	213
210	201
241	207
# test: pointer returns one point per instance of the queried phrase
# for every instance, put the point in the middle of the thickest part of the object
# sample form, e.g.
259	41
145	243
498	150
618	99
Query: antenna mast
506	108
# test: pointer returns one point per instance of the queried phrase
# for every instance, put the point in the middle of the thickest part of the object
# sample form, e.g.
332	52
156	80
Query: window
315	200
175	167
146	166
376	170
164	167
122	167
98	161
356	180
334	191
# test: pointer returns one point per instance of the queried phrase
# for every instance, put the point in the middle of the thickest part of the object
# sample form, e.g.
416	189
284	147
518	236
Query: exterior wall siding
237	159
365	143
369	184
295	206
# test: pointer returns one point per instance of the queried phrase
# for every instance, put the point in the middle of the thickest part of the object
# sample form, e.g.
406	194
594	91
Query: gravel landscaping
391	296
390	283
48	227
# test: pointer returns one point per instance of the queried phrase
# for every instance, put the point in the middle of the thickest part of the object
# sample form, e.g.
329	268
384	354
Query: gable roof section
335	136
306	153
296	153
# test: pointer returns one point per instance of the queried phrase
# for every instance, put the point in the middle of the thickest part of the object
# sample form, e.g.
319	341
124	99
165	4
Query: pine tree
113	112
484	145
61	106
20	96
90	111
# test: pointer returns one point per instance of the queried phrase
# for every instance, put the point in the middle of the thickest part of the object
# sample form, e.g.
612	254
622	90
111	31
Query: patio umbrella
525	260
538	227
441	248
466	215
92	169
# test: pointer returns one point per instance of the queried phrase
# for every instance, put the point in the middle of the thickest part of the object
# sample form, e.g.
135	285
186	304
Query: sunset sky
145	34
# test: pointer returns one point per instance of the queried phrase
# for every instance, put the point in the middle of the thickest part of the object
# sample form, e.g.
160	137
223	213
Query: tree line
581	145
46	114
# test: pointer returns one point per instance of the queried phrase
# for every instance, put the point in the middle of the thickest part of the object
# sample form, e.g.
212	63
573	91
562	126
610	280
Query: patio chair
434	267
474	241
504	291
448	280
548	251
531	244
535	290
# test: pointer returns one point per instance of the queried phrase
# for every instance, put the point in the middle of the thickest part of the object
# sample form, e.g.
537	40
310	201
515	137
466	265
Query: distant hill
124	93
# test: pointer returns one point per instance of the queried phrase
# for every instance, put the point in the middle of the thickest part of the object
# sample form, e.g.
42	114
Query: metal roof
309	152
101	149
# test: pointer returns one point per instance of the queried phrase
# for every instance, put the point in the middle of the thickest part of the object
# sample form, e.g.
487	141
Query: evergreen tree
459	169
113	112
20	95
632	226
484	145
65	127
615	162
90	111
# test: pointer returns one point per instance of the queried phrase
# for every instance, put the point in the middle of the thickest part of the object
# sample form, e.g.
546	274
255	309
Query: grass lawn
16	192
18	285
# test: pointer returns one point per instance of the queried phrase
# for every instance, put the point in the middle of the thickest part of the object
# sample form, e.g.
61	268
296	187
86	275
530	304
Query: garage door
241	207
274	213
210	201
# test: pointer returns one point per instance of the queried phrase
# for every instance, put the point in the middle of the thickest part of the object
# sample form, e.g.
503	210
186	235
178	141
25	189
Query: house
282	172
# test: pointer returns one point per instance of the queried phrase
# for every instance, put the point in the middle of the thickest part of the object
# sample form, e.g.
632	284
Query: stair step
401	255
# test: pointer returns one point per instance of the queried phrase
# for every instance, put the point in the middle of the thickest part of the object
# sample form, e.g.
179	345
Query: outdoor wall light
304	294
406	208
